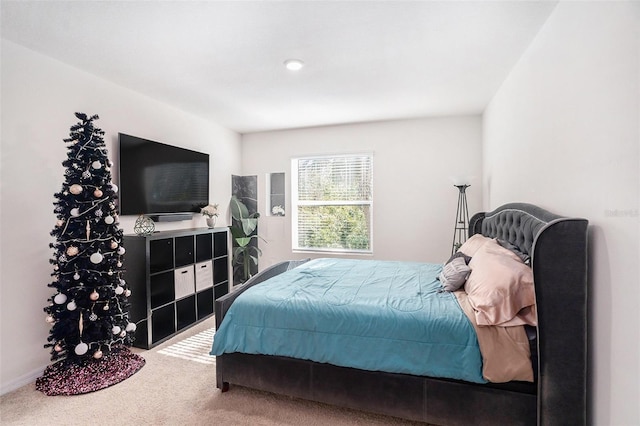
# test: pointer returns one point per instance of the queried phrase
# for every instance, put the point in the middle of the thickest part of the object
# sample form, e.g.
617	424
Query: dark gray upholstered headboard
558	249
518	223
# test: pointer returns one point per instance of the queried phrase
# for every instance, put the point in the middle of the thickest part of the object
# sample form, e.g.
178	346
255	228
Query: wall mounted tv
162	181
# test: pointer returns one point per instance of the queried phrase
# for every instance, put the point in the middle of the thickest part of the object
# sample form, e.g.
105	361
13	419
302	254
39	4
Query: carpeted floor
176	387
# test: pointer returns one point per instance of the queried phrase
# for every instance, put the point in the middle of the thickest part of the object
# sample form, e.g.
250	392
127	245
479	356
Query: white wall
39	98
415	165
563	132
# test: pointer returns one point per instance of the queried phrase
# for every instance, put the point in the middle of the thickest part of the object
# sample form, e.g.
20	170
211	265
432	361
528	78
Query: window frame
295	203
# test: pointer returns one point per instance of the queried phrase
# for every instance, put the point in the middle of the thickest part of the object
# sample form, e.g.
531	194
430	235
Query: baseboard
25	379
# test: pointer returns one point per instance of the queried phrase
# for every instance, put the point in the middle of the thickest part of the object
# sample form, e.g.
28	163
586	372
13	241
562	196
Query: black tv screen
161	179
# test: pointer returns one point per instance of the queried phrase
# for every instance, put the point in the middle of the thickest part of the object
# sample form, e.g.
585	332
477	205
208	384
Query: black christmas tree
88	313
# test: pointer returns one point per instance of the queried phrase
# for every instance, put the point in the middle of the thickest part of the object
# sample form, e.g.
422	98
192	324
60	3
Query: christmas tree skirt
88	376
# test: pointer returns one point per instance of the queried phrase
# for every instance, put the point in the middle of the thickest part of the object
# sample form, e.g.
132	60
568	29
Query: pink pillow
471	246
500	286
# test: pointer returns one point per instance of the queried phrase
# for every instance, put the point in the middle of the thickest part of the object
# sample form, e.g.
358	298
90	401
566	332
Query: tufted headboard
518	223
558	249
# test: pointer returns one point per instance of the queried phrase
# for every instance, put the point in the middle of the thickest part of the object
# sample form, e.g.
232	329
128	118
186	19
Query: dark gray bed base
558	247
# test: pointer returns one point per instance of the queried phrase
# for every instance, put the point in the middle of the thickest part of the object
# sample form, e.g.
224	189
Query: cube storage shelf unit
175	277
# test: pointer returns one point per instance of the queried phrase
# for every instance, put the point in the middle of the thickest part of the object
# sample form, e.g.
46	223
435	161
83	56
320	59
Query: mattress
366	314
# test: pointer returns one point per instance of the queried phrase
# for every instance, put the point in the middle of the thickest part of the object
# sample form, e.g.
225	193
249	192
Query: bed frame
558	249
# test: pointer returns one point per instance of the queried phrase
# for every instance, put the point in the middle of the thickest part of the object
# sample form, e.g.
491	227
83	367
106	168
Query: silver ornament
96	258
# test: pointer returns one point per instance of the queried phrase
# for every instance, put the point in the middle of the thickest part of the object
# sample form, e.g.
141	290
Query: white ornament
81	348
116	329
75	212
60	298
97	354
59	223
114	187
121	250
119	264
131	327
108	220
96	165
123	333
50	319
119	290
72	306
127	292
76	276
96	258
122	282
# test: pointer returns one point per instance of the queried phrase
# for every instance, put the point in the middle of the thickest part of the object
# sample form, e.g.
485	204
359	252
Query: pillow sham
454	274
500	286
471	246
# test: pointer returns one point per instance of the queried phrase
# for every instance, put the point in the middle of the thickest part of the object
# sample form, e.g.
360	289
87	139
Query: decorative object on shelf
277	211
144	225
211	212
243	231
461	227
87	356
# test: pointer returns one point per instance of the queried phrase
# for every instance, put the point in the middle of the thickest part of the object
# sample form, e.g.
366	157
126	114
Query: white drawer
204	275
184	281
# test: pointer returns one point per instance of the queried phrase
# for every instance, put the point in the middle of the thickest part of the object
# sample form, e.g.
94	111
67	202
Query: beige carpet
176	387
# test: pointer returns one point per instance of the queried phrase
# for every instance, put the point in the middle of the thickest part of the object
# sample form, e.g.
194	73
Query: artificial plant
243	230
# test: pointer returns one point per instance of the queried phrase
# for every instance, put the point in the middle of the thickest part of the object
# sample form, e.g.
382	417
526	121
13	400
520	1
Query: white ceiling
223	60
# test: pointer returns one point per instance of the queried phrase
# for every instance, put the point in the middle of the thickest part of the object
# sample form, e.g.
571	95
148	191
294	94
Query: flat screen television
160	180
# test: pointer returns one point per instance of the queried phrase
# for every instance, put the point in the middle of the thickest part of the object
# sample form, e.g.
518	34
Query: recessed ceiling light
293	64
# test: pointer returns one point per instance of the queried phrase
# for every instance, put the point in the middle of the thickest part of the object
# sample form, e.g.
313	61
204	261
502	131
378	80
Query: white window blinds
332	203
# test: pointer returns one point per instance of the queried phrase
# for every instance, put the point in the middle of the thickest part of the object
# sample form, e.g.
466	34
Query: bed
557	250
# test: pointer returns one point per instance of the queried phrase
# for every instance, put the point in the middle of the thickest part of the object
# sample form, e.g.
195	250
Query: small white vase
211	222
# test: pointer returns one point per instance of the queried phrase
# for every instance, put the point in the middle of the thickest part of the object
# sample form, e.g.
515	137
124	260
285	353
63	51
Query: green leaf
238	210
243	241
249	225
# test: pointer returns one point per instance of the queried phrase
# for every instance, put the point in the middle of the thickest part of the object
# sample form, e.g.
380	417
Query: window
332	203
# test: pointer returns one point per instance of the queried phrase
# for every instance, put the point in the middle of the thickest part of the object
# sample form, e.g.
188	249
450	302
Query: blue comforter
365	314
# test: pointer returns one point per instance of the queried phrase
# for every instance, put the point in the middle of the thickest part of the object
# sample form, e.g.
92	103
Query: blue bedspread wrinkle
366	314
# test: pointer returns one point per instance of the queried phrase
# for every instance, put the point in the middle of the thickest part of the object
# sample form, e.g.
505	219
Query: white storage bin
184	282
204	275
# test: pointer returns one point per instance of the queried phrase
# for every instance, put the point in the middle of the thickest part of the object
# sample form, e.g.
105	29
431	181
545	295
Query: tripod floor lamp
461	228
